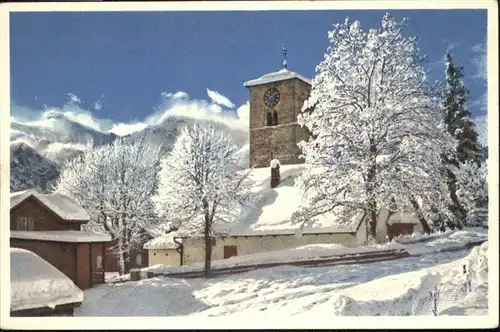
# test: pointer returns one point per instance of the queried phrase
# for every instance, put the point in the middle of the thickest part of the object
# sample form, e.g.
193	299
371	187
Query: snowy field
339	290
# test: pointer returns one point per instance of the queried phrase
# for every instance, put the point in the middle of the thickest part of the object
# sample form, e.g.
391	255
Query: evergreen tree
458	118
459	125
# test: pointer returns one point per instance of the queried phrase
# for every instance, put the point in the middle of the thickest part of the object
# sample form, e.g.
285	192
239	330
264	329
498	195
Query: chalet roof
34	283
61	236
281	75
60	204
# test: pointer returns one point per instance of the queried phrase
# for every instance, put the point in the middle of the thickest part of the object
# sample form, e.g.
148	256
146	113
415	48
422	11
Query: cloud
97	106
217	98
176	95
71	110
73	98
171	104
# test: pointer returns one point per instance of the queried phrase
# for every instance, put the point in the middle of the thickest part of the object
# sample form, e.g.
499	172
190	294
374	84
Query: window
275	118
138	259
269	119
25	224
99	262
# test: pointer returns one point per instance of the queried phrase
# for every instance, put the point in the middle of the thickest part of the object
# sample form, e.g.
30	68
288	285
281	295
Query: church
276	99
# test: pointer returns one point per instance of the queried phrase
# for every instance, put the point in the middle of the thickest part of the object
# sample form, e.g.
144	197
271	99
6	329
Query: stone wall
279	141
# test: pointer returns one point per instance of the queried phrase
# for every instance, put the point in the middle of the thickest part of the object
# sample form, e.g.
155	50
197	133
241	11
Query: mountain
28	169
39	149
165	133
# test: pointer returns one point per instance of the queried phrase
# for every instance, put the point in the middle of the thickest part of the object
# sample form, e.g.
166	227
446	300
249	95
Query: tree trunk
372	221
121	258
457	209
423	221
370	178
208	248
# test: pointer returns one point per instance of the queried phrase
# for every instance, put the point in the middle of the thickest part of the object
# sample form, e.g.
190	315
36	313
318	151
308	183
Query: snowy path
255	290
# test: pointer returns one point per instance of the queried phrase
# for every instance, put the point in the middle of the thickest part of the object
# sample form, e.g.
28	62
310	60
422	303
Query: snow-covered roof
281	75
165	241
60	204
61	236
292	231
34	283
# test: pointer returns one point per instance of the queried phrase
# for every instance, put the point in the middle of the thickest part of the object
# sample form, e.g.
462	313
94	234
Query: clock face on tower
271	97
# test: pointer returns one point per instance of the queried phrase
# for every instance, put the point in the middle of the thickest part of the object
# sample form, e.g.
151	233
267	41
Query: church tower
275	101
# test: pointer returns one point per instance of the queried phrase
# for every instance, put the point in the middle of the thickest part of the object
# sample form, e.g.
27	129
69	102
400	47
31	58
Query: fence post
135	274
468	282
435	301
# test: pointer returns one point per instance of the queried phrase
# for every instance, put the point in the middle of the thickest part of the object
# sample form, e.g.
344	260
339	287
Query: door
230	251
98	260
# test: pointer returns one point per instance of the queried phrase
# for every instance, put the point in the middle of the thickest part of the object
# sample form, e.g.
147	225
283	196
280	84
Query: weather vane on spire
284	51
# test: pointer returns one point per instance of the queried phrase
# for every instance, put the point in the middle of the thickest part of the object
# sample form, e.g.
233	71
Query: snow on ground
307	252
272	208
283	290
418	244
35	283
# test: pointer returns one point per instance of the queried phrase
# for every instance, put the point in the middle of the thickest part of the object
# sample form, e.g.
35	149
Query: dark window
269	119
275	118
230	251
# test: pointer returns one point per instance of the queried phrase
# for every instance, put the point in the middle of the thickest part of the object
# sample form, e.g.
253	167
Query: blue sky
116	65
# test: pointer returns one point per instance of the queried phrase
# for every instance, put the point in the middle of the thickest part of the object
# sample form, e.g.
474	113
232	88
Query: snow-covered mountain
39	148
166	132
29	169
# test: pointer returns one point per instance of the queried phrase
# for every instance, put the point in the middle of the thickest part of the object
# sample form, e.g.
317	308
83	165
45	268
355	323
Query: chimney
275	173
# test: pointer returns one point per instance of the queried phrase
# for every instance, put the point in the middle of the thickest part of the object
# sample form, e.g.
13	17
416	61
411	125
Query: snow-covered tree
457	116
200	185
377	130
472	187
459	125
115	183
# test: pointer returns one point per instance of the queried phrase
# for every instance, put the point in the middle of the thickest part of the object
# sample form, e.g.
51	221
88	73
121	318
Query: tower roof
281	75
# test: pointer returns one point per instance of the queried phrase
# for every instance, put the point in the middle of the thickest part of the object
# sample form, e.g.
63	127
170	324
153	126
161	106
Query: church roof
283	74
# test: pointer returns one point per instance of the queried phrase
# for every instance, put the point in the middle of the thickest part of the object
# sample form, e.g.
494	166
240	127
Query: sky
122	68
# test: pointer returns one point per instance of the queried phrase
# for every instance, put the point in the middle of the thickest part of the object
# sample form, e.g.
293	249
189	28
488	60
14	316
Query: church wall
246	245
